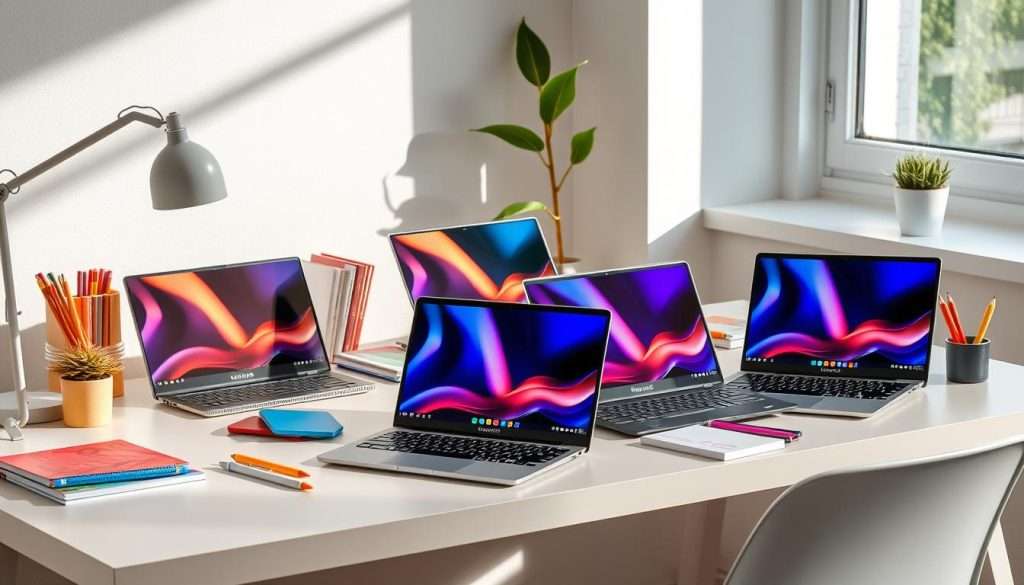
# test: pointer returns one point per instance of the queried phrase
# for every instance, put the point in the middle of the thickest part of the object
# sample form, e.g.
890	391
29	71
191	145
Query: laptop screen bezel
525	435
873	373
669	384
400	265
277	372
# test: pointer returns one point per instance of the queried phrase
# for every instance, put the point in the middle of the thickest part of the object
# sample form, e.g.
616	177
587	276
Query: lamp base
43	407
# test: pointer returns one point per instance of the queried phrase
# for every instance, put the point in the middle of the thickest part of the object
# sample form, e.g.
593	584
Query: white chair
924	522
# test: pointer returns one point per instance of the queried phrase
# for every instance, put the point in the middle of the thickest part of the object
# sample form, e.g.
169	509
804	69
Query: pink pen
787	435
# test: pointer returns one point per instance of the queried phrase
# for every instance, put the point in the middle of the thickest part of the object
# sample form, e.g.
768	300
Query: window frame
870	160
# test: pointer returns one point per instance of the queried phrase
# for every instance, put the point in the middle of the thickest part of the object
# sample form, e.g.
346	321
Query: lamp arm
11	425
78	147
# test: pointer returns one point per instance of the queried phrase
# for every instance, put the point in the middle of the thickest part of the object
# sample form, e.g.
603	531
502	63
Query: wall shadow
70	26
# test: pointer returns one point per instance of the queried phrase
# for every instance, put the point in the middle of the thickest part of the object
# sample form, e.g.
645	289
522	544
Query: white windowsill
967	245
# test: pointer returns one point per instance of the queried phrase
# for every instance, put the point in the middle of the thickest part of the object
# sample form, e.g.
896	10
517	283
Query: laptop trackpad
412	460
800	400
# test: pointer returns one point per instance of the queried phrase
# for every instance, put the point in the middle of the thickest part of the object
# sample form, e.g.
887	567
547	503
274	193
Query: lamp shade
184	173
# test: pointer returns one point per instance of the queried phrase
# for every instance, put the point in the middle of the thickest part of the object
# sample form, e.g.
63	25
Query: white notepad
713	443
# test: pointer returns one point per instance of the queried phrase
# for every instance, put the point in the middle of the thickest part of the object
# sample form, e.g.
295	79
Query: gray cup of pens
967	363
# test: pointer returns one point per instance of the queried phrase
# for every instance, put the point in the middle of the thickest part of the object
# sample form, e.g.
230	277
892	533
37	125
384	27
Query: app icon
496	422
517	424
474	420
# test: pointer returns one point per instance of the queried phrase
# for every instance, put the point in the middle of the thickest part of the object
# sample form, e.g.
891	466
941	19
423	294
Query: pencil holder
967	363
101	319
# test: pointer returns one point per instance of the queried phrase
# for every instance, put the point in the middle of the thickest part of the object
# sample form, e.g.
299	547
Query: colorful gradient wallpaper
871	313
525	368
657	331
219	321
487	261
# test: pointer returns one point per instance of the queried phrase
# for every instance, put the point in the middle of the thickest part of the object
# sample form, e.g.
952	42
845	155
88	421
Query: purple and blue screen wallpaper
841	313
657	329
510	368
202	327
487	261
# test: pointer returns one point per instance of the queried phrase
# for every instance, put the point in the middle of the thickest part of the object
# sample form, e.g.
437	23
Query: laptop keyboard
275	390
633	411
811	386
460	447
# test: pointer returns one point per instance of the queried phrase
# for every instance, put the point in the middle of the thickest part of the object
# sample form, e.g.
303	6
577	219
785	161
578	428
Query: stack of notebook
340	289
385	360
727	332
82	472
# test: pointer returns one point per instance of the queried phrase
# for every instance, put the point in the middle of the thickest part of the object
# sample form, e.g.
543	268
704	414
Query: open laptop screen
659	340
867	317
511	370
487	261
225	325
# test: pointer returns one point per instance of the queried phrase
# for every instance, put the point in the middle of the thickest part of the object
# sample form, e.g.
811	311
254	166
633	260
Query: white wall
334	123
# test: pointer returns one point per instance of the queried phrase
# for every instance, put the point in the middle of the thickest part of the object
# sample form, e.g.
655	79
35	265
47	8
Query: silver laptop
492	392
228	339
661	371
840	335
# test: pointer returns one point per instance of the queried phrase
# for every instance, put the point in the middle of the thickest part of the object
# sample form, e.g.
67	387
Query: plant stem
555	186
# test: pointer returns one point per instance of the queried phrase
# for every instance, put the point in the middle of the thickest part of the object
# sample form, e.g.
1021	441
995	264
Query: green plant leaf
515	135
520	207
582	144
558	94
532	56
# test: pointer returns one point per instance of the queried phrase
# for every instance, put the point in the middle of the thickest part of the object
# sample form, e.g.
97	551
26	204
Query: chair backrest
926	521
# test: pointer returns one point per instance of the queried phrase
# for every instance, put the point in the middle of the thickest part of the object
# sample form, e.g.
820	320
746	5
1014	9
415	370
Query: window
943	76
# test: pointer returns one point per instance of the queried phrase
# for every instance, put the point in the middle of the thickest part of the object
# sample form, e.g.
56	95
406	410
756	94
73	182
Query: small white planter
921	212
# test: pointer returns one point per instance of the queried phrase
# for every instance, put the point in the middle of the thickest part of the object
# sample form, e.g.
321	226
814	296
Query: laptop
491	392
661	371
840	335
486	261
228	339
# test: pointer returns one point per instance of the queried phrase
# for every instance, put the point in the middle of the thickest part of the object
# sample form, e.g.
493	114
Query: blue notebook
313	424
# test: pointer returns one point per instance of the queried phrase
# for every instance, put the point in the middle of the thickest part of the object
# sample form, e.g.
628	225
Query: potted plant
922	192
555	95
87	383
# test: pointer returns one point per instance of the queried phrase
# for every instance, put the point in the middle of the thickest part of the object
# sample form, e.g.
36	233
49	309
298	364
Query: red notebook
90	463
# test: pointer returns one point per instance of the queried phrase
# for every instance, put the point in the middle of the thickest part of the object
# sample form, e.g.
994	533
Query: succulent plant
920	172
85	362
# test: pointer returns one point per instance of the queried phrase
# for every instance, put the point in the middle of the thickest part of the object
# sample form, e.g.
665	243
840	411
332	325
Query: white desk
231	530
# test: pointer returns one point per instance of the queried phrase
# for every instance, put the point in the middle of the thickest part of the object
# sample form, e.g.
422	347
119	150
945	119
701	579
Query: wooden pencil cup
111	323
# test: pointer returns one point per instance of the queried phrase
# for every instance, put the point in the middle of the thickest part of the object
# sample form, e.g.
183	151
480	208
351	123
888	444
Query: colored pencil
949	321
955	314
986	319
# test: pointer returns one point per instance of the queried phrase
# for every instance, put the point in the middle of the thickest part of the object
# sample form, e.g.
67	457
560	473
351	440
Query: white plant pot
921	211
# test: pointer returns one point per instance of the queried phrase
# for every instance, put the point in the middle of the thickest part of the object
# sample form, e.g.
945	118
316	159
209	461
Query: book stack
727	332
83	472
384	360
340	289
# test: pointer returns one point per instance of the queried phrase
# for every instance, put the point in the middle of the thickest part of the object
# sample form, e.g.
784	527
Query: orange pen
275	467
955	314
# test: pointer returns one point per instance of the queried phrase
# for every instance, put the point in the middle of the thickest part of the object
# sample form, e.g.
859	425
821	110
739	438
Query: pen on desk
268	476
986	319
777	433
270	465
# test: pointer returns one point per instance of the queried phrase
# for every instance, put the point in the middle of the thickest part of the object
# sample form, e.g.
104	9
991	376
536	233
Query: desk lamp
184	174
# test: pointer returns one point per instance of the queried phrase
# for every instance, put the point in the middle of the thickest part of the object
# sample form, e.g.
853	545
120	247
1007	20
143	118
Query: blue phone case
314	424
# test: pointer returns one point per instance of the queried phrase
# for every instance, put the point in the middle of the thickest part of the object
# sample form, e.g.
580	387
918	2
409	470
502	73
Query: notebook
108	461
384	361
313	424
713	443
360	295
727	332
84	492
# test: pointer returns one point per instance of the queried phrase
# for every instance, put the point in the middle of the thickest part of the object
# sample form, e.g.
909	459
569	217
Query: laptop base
238	399
352	455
